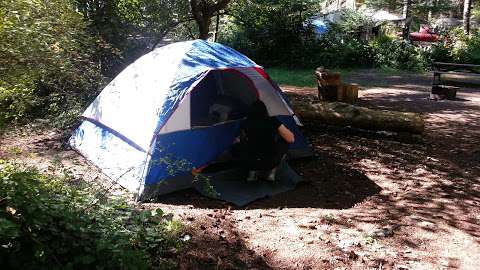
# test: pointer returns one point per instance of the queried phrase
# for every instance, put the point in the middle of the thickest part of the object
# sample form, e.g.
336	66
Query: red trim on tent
264	74
275	86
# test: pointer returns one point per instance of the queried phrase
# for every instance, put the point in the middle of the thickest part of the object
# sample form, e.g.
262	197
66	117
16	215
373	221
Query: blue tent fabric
202	56
320	27
122	132
209	143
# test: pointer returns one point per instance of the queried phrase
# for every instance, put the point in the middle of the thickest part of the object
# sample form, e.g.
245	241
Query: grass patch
293	77
297	77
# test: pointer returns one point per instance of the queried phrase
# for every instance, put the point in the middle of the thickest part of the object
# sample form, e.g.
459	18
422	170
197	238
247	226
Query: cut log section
443	92
329	84
342	114
348	93
330	87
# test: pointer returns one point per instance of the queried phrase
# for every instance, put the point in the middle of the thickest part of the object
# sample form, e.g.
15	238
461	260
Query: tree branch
168	28
222	4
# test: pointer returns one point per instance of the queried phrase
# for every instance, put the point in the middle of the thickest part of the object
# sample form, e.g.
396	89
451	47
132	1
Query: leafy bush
334	50
16	102
270	31
353	21
472	50
464	49
457	48
276	33
45	223
441	53
398	54
45	59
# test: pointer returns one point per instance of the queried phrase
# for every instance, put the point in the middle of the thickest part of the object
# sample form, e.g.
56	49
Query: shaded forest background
56	55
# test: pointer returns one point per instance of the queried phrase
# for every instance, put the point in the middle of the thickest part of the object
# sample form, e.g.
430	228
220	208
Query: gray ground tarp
230	185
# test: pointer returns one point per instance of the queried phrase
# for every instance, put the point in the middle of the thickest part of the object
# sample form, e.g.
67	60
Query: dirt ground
371	200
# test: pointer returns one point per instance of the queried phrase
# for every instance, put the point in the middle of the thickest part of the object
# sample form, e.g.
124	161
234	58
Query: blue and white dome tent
156	112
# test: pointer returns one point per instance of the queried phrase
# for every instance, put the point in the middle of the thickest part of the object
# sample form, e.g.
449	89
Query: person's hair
257	111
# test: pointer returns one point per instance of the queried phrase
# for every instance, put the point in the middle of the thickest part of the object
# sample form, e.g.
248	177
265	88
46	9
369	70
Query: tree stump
348	93
443	92
328	83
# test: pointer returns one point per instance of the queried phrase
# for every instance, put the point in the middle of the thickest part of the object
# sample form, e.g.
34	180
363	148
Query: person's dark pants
260	162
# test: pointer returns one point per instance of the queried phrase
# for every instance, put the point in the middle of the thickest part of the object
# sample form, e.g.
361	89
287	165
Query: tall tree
203	11
407	4
467	7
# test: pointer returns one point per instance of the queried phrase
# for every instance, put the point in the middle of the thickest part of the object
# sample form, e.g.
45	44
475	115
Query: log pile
343	114
331	88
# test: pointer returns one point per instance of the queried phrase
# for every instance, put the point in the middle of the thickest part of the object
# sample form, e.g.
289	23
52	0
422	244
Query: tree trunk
406	19
342	114
217	23
204	28
203	11
467	7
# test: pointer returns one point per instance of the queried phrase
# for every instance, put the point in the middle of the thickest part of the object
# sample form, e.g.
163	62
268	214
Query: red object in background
425	34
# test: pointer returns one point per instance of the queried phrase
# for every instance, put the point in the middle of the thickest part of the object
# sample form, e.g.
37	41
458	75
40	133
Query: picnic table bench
448	88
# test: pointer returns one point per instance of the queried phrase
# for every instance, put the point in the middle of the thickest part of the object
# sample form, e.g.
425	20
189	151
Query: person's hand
286	134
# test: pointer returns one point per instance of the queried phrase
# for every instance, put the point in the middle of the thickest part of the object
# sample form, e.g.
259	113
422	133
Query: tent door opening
223	95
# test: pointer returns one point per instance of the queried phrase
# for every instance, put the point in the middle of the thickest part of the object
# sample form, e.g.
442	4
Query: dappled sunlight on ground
371	200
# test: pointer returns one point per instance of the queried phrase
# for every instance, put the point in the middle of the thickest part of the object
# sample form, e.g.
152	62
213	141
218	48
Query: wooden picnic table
440	68
445	88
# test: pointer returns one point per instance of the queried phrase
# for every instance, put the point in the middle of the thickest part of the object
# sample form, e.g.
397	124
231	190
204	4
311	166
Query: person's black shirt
261	135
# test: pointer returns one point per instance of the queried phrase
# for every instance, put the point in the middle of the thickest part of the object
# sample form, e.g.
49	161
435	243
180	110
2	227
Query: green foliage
418	9
398	54
16	102
45	59
270	31
475	10
342	51
353	21
36	37
463	48
45	223
152	17
344	45
457	48
276	33
441	53
127	29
